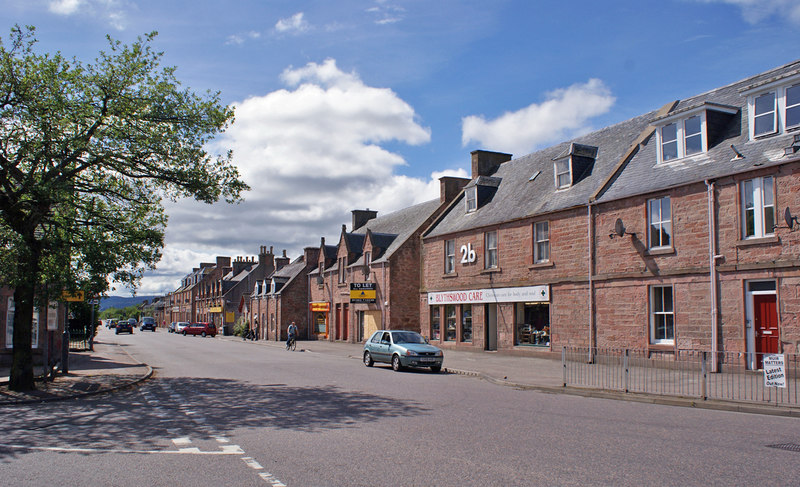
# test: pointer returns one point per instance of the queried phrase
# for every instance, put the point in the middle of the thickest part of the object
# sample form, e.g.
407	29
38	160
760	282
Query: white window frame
471	199
449	256
342	269
541	236
658	309
659	221
780	108
681	135
762	195
563	171
490	250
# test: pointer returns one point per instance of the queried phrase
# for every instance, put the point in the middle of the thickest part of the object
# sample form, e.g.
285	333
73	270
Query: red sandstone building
670	231
370	280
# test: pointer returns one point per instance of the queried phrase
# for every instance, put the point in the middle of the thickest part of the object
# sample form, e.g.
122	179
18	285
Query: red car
202	329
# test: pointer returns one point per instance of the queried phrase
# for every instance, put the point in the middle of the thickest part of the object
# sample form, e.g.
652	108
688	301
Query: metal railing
733	376
79	337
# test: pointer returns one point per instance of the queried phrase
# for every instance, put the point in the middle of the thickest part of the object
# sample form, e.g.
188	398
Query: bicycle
291	344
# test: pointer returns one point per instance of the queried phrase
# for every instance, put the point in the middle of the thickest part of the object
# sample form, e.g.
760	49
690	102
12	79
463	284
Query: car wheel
203	334
116	332
368	359
436	369
396	365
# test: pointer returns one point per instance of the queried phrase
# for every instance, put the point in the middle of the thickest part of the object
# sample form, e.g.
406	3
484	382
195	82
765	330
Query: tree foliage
88	153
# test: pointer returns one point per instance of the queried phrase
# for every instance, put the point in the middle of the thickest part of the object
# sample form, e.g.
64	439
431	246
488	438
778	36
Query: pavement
110	367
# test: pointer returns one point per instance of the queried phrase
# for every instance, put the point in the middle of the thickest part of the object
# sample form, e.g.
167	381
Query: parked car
180	326
202	329
401	349
124	326
147	323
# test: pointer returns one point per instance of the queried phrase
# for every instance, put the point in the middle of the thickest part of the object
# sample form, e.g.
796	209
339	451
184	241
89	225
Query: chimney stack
361	217
485	163
450	187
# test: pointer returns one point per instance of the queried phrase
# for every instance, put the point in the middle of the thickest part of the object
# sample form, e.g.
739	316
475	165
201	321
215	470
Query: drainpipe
712	263
590	250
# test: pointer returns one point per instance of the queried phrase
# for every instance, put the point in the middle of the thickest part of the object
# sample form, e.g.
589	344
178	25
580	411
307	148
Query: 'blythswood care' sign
500	295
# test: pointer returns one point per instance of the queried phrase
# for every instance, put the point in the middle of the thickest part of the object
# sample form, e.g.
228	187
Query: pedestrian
292	331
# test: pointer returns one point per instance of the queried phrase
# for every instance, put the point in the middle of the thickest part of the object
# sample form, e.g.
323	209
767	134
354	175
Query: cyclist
292	331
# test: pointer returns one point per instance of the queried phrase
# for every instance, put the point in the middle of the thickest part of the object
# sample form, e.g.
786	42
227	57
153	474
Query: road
221	412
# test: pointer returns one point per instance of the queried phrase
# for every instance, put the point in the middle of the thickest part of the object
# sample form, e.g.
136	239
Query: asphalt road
220	412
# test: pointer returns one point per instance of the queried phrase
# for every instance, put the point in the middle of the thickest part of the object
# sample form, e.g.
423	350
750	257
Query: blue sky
364	104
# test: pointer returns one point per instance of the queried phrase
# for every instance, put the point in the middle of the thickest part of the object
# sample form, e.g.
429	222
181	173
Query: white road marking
220	439
271	479
182	441
252	463
182	451
233	449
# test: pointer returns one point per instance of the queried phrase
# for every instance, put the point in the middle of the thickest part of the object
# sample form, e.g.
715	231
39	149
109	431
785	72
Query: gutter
712	264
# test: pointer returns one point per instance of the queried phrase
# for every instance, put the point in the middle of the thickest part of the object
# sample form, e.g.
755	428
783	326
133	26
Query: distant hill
123	302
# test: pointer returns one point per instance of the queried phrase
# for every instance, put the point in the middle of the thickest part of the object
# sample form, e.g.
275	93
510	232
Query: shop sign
362	292
215	309
539	294
74	297
320	307
774	371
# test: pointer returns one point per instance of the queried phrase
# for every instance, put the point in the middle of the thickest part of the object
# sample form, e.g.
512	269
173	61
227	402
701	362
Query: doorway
761	322
490	328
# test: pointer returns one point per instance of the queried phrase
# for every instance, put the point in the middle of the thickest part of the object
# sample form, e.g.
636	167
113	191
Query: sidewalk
108	368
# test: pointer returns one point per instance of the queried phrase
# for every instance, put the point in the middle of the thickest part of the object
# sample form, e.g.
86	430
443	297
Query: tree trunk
22	365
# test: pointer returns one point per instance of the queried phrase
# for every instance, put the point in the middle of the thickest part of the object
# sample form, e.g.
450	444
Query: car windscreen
407	337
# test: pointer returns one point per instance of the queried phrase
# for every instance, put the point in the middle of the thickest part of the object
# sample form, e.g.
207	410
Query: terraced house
674	230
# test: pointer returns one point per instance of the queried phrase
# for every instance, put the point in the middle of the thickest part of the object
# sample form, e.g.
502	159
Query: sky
358	104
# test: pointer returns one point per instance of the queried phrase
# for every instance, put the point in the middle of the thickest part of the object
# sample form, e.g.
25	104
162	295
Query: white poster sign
10	324
774	371
52	316
538	294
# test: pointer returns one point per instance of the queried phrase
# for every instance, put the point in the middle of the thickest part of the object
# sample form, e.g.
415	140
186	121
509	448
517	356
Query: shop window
450	322
466	322
533	324
436	323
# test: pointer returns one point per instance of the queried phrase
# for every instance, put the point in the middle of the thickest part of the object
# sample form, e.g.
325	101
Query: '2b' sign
467	254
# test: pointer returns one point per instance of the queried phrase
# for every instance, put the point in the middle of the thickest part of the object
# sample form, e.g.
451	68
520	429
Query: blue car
402	349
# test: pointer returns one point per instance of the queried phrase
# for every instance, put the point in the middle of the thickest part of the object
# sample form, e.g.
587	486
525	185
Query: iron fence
727	376
79	337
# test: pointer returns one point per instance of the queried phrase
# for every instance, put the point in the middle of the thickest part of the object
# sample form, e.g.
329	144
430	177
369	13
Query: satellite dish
619	228
788	218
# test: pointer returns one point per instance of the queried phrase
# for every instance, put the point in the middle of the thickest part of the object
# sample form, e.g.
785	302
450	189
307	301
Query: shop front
319	319
491	318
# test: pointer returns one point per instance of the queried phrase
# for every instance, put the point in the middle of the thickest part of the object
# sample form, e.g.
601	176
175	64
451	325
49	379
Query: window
659	221
669	142
563	173
682	138
541	242
490	252
367	262
435	323
764	114
342	265
471	198
793	106
449	256
450	322
662	315
466	322
758	208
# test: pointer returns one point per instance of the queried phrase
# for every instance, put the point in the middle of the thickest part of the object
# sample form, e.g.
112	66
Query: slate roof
520	194
401	224
289	272
644	175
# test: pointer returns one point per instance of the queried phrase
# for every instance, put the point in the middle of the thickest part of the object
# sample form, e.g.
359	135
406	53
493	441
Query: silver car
180	326
401	349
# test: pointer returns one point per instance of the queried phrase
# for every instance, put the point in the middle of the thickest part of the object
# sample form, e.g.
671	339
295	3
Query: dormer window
563	173
573	164
683	137
774	106
471	198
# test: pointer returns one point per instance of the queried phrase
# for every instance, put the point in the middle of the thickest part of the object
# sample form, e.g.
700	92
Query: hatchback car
147	323
124	326
202	329
401	349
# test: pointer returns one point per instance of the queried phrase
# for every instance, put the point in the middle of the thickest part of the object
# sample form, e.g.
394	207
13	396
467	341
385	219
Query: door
765	316
372	322
490	327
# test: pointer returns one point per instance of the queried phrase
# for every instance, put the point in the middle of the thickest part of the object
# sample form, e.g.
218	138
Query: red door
765	313
345	321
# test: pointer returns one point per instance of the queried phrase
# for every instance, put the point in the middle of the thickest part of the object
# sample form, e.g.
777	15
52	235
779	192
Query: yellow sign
362	292
76	296
215	309
229	317
320	307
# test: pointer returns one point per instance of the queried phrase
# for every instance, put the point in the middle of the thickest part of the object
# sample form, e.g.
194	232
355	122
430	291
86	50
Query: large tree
88	153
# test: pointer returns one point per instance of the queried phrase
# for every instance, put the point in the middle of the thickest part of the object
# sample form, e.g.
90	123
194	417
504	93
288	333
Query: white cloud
241	38
112	11
564	114
311	153
755	11
296	23
386	13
